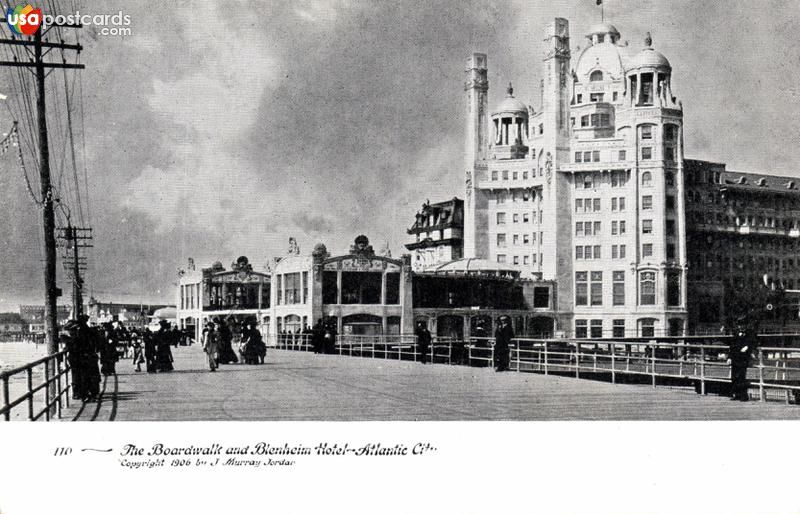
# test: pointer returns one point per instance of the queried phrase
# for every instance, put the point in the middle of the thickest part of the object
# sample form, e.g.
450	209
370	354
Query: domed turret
510	121
649	75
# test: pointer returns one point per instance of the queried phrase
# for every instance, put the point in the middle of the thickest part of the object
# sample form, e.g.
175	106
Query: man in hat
87	342
423	341
502	341
211	345
72	345
163	351
740	350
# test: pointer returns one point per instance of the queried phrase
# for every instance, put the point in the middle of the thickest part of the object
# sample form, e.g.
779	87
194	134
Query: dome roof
602	28
649	58
511	104
472	266
606	57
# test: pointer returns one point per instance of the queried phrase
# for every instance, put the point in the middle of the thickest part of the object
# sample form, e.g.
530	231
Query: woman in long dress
211	346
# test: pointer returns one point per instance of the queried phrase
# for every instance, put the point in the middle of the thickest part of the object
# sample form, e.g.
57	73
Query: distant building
437	234
12	323
132	315
34	316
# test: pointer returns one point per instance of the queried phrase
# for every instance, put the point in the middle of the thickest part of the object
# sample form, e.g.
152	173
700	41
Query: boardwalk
304	386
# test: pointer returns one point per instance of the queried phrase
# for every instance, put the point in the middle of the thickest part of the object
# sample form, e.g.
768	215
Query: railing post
577	360
613	364
491	361
702	369
518	357
761	393
58	385
6	401
545	358
66	382
29	377
653	361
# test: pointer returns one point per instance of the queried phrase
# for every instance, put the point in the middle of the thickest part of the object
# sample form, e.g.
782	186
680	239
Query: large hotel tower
586	191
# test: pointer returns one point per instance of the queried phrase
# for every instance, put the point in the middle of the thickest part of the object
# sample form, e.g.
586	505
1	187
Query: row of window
618	251
516	217
292	288
589	288
524	260
622	156
514	175
517	239
515	196
619	178
594	328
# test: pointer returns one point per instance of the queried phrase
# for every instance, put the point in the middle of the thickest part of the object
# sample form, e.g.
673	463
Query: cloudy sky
221	129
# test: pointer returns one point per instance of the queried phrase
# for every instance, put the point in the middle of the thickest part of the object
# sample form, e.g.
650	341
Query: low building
33	315
132	315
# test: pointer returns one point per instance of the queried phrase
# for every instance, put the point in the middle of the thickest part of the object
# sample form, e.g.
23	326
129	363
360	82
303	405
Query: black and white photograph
460	256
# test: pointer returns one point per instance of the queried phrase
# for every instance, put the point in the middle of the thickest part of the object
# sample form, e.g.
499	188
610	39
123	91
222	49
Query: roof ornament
648	40
510	91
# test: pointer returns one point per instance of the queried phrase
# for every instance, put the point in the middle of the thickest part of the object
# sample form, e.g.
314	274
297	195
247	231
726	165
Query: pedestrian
108	350
163	352
740	351
149	350
226	353
502	341
318	337
211	345
138	351
330	339
72	344
88	345
423	341
252	344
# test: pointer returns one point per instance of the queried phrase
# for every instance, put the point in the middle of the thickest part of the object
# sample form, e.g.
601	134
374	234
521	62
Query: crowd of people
94	351
217	342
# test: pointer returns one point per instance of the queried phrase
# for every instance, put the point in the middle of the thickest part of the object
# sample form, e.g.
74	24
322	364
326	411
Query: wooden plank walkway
305	386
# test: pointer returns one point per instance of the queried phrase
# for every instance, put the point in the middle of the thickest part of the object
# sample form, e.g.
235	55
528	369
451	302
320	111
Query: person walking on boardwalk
211	345
108	350
423	341
318	337
741	349
88	345
252	344
149	350
163	347
138	351
226	353
330	338
72	344
502	341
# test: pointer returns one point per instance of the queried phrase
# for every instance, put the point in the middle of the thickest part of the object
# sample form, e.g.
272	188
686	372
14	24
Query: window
613	204
501	197
621	251
614	228
280	290
580	99
618	178
587	252
669	177
516	239
669	153
614	252
597	287
514	175
615	96
596	76
505	174
647	179
579	228
501	240
588	179
670	133
647	283
596	204
305	287
596	97
526	239
501	259
578	205
670	228
596	156
584	119
647	226
580	329
525	260
647	132
623	155
621	227
647	250
526	218
587	156
619	288
581	288
597	328
541	297
597	251
669	201
597	228
392	288
619	328
647	153
515	218
516	260
648	327
578	157
670	251
647	203
525	177
501	218
587	227
578	252
622	203
494	175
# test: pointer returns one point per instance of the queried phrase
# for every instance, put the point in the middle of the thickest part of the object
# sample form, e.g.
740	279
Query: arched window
596	76
647	179
647	288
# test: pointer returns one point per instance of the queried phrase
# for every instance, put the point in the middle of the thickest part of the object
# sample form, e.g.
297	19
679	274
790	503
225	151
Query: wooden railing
55	373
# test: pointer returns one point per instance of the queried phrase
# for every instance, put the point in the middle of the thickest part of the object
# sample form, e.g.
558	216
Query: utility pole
74	263
39	65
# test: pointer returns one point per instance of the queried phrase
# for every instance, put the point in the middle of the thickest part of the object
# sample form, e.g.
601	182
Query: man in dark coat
318	337
741	349
72	344
108	350
502	337
163	351
149	350
330	339
226	353
423	341
88	343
